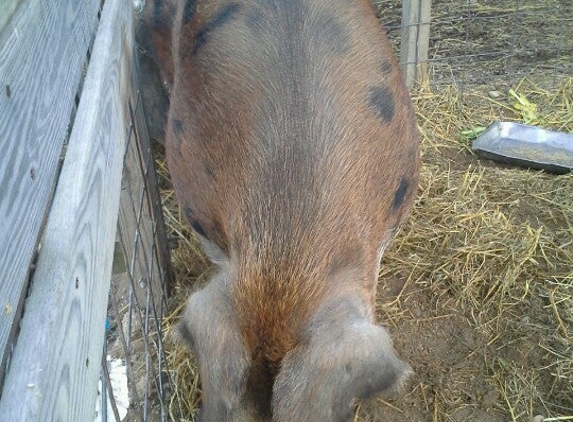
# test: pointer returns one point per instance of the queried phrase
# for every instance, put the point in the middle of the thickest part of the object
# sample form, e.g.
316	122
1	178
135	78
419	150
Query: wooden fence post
43	49
56	364
416	18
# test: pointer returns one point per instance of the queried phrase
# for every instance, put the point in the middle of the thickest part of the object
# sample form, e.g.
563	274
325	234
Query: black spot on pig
400	193
189	10
189	213
209	172
221	18
194	223
331	33
178	127
386	68
382	101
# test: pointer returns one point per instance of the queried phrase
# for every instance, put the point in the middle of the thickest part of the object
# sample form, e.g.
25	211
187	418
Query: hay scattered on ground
495	244
191	268
478	285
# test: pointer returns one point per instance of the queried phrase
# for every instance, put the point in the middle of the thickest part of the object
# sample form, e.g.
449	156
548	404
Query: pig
154	89
293	149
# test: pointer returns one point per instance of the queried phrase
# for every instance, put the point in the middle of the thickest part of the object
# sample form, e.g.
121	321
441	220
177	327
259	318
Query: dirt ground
486	327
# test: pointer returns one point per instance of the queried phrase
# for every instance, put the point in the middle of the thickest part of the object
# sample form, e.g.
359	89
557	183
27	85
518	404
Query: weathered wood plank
57	360
7	8
42	51
416	19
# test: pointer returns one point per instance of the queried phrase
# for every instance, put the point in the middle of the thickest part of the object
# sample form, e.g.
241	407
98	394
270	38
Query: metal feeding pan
526	146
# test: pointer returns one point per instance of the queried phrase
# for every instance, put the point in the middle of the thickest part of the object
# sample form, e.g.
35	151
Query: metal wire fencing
489	42
136	382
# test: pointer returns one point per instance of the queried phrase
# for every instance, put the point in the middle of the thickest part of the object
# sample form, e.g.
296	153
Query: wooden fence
69	119
42	55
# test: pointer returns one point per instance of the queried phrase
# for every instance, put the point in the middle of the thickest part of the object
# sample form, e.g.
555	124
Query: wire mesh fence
136	382
492	42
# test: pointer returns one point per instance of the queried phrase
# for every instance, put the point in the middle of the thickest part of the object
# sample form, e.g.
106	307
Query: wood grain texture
416	19
7	8
42	51
57	360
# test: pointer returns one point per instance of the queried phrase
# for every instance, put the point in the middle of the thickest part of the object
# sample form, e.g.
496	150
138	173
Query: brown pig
294	152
